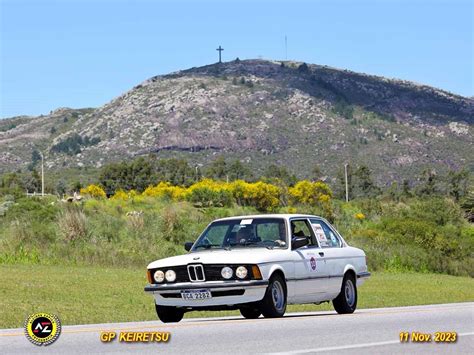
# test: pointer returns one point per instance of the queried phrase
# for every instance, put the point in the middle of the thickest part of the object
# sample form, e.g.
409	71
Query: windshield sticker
246	221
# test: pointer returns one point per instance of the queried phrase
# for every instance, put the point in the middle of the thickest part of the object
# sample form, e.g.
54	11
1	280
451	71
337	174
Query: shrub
311	193
124	196
261	195
93	191
166	190
120	195
209	193
72	224
173	225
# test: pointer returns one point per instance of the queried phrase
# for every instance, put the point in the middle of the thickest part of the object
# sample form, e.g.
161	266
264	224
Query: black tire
169	314
250	312
273	304
346	301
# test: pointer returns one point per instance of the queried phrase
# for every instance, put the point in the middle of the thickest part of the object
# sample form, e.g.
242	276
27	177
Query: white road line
350	346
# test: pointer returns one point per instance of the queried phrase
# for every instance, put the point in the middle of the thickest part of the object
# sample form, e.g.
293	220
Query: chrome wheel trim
278	296
349	292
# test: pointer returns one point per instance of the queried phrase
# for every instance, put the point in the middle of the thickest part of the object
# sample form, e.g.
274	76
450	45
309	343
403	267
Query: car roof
278	215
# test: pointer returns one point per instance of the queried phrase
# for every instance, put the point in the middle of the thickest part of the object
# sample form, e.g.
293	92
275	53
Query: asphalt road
366	331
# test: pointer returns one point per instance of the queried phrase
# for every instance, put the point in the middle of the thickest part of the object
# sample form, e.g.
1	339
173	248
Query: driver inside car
244	235
295	233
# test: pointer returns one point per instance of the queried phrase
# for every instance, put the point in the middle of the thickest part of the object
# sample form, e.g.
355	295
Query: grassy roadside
80	294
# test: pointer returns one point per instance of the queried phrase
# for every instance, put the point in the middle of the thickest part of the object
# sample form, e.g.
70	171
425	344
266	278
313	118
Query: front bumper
239	292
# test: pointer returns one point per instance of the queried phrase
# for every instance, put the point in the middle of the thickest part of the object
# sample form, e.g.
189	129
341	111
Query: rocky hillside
261	112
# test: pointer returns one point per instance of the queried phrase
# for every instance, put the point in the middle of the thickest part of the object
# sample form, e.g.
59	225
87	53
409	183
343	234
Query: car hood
233	256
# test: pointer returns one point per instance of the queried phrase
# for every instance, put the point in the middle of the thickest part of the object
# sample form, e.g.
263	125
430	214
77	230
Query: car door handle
321	253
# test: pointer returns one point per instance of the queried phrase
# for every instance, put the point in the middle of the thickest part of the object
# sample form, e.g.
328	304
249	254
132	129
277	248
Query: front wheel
346	301
250	312
169	314
273	304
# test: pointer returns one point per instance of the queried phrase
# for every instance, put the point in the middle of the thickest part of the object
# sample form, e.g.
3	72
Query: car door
309	265
334	254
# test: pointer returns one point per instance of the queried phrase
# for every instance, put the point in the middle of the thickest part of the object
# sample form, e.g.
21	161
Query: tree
239	171
274	171
344	109
76	186
218	169
458	183
316	173
175	171
61	187
31	181
35	157
303	68
406	190
364	184
428	182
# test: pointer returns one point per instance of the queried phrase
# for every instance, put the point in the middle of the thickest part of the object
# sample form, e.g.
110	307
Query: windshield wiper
207	246
260	243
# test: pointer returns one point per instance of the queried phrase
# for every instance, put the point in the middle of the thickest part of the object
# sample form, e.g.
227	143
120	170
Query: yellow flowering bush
360	216
310	193
208	193
125	195
120	195
165	189
261	195
93	191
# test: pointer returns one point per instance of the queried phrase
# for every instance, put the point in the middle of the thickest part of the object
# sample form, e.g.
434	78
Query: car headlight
226	272
241	272
159	276
170	276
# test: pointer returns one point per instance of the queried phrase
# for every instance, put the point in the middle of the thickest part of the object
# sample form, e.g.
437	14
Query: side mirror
188	246
298	242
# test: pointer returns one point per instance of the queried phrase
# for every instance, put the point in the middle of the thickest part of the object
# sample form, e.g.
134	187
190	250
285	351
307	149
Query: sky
74	53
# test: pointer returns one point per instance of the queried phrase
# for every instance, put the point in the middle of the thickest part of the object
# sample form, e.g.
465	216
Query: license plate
196	295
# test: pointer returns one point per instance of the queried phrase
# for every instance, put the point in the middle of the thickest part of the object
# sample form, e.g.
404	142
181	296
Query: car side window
300	228
325	236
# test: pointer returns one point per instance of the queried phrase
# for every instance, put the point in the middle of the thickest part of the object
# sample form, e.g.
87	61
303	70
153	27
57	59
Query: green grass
80	294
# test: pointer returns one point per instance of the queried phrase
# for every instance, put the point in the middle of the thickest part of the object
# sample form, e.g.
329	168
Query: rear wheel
273	304
169	314
250	312
346	301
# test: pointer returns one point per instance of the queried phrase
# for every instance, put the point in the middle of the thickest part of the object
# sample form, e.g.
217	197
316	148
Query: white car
259	264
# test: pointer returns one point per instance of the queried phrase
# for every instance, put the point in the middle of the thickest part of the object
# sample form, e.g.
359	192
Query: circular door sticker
313	263
42	328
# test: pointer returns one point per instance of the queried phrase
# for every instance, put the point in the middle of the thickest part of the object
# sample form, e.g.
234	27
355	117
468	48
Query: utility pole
347	186
42	174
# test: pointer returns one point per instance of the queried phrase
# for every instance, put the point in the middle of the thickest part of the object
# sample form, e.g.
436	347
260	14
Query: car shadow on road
237	318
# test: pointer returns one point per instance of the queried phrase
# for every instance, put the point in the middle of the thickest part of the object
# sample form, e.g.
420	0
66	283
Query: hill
260	112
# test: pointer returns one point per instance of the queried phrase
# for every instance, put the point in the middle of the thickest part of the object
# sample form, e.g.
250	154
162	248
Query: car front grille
196	273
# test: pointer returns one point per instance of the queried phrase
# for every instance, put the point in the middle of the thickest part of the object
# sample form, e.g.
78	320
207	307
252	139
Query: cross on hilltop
220	49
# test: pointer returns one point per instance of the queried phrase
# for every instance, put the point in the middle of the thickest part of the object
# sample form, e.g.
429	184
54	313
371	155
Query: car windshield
243	233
